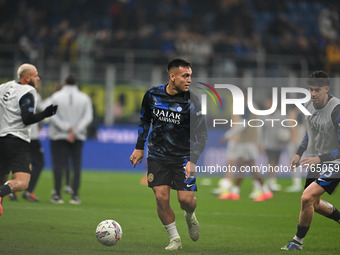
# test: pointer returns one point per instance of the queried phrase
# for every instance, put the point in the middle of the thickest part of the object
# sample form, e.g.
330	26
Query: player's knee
19	186
161	198
307	199
185	201
317	207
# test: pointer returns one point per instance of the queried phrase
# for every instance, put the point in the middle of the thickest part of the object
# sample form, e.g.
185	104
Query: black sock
5	190
335	215
294	241
301	231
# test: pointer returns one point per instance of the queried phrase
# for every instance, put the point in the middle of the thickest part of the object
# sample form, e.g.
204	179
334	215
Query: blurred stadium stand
118	48
134	39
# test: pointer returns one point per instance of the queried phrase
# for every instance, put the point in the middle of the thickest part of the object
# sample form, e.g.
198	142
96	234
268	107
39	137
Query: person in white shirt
67	133
17	111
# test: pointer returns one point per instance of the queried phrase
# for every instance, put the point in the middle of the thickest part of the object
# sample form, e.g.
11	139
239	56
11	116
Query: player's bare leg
164	210
226	183
310	198
167	216
266	192
235	190
310	202
187	200
188	203
324	208
272	182
19	182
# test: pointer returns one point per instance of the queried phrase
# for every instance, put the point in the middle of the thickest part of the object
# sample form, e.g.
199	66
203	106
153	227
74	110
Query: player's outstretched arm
136	157
26	104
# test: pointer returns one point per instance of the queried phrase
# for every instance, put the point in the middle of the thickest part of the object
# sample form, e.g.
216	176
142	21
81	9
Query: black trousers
37	161
64	152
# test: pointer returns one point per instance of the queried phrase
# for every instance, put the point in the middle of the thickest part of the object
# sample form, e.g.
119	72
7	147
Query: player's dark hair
71	80
318	78
177	62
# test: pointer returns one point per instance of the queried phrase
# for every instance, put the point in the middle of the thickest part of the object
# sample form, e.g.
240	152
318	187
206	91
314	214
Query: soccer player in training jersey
322	147
17	107
177	138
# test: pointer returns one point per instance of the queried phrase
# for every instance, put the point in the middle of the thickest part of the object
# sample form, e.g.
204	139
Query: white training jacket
74	110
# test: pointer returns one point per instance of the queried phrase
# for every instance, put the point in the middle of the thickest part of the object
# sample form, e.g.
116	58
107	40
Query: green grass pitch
227	227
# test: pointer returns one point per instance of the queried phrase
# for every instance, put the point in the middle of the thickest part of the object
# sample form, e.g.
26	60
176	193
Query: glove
50	110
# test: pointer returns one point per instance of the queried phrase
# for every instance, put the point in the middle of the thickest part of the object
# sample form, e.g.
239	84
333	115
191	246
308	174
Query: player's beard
31	82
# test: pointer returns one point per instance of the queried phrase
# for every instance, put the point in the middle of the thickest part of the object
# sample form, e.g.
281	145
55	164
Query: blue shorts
329	177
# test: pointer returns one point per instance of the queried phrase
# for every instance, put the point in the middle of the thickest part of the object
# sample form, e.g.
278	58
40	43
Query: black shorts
14	155
173	175
312	176
328	179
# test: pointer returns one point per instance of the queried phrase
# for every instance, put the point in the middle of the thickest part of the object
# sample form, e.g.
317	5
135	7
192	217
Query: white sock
265	188
188	216
271	180
226	184
257	185
299	240
235	190
172	231
297	182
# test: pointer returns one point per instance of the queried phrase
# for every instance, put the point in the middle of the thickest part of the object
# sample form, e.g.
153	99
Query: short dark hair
318	78
71	80
177	62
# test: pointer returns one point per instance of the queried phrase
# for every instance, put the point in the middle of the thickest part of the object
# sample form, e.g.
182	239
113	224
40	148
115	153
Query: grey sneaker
174	245
193	227
75	200
292	246
56	200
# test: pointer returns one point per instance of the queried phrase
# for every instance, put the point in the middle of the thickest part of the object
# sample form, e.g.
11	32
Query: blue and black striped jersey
178	129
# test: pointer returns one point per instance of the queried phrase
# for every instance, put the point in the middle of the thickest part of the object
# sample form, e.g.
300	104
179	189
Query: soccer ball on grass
109	232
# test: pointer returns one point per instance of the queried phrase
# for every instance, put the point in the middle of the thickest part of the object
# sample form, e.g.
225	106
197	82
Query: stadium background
118	49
